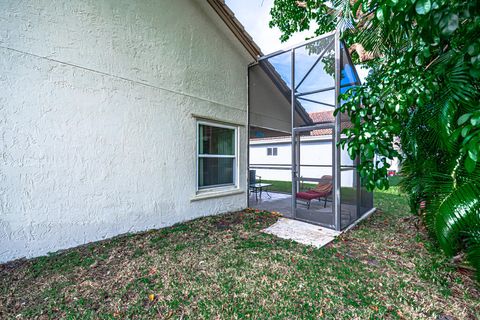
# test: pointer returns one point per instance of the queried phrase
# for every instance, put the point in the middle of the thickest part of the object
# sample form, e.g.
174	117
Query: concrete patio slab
302	232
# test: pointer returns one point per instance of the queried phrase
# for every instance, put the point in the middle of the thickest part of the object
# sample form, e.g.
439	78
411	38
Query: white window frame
221	187
272	154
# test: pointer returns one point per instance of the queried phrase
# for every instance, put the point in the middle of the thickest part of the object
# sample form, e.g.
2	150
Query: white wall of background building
316	150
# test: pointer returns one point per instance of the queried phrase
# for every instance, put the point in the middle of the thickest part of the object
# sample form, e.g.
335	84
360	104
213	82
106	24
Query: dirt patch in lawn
225	267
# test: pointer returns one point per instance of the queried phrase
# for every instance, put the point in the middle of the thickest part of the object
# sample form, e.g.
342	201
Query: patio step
302	232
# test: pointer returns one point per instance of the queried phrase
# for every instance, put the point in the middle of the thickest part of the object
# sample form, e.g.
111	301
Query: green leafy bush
422	97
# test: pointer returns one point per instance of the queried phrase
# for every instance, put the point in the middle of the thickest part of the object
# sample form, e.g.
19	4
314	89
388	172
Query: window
217	155
272	151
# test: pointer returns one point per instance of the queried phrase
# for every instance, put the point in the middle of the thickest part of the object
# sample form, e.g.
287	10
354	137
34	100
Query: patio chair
322	191
253	179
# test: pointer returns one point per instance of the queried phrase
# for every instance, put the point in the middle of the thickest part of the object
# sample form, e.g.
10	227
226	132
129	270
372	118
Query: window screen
216	155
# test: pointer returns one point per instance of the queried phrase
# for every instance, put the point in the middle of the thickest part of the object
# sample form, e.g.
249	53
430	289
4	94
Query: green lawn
348	194
286	186
224	267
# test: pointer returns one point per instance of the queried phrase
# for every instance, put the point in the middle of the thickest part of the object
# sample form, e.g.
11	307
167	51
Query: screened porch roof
270	90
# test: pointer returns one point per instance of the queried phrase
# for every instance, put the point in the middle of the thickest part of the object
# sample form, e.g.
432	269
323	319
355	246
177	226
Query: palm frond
459	84
472	244
458	212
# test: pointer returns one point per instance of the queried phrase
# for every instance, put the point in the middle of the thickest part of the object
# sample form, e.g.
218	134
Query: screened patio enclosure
292	96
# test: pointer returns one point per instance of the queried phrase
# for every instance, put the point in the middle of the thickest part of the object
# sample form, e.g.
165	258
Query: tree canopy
420	103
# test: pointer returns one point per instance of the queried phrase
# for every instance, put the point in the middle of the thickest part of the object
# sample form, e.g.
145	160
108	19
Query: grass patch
394	180
286	186
281	186
348	194
61	262
225	267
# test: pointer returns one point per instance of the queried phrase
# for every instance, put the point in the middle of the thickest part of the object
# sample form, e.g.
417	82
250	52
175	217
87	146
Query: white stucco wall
97	136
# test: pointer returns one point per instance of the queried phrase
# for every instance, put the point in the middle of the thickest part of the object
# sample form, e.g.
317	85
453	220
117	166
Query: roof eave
236	27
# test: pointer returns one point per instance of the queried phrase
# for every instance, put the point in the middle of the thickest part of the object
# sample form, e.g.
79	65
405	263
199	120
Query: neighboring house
316	150
118	116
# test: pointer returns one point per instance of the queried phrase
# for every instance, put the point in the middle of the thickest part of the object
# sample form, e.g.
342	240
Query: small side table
259	188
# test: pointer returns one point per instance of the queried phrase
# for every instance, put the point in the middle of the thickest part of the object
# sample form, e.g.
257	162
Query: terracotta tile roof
327	117
321	132
317	117
322	117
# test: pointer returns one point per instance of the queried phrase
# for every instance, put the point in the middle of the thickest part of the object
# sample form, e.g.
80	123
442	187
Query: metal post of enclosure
358	185
248	137
337	155
298	161
294	149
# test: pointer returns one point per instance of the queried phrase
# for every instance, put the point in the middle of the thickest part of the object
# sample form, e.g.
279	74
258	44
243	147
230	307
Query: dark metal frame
337	166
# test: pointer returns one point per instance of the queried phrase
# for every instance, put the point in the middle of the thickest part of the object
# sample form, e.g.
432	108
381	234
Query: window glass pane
215	140
275	151
269	151
215	171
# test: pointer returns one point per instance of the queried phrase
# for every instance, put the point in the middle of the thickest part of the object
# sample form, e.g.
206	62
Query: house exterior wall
258	155
269	108
97	117
316	151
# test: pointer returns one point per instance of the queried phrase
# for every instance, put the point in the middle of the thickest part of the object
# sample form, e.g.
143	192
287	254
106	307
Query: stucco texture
97	133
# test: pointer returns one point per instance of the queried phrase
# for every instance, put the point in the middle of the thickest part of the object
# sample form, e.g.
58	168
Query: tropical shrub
422	98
